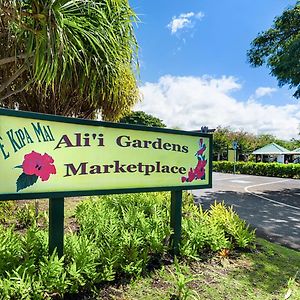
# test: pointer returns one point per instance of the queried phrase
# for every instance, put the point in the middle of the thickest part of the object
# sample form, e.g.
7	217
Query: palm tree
69	57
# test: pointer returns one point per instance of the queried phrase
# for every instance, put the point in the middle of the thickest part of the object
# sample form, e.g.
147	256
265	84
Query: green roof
271	149
297	150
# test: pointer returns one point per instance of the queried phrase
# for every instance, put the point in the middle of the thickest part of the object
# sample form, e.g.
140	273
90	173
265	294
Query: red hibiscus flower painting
35	165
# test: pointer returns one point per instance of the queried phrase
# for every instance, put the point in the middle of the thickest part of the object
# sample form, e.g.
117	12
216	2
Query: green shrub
18	213
82	260
259	169
49	281
216	229
233	226
10	250
128	230
25	215
52	275
34	246
7	209
120	235
20	285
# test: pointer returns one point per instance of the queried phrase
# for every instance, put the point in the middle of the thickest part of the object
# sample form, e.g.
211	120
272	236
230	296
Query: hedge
259	169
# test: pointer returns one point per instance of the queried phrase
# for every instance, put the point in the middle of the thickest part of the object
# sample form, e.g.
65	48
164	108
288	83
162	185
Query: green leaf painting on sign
25	181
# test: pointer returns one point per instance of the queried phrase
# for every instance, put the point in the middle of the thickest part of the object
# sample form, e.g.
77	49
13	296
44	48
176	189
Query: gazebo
272	153
297	151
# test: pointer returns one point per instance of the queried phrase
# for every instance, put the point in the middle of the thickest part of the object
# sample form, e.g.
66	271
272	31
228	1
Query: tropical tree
279	48
141	118
69	57
221	142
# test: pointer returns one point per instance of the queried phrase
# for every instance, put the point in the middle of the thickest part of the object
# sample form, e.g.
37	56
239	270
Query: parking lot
272	205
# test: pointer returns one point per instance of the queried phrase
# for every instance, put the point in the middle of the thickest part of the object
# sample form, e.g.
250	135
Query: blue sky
194	70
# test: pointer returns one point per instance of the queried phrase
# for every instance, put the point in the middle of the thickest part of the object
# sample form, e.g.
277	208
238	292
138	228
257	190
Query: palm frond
77	45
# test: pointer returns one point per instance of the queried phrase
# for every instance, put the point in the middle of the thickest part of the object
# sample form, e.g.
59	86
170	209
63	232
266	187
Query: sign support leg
56	225
176	214
234	161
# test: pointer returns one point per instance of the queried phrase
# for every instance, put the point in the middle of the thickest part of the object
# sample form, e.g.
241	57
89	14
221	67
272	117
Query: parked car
296	160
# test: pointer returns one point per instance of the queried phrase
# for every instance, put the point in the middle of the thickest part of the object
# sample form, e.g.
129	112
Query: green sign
231	155
51	156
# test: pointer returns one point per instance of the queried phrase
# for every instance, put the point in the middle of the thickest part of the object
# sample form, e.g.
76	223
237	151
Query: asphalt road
272	205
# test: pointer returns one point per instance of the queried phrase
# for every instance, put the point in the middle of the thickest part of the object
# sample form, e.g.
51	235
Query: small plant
181	290
215	229
82	260
25	215
10	250
7	209
224	253
290	286
52	275
234	227
19	285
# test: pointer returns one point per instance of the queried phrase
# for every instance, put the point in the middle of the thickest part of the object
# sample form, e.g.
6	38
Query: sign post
56	225
46	156
176	213
234	146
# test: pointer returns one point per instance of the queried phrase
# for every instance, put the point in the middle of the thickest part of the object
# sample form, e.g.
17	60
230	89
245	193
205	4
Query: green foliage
182	291
26	270
220	142
259	169
216	229
19	258
22	215
19	285
10	250
119	236
223	138
279	48
128	230
235	229
34	246
52	275
7	209
82	259
268	273
49	282
141	118
25	215
76	58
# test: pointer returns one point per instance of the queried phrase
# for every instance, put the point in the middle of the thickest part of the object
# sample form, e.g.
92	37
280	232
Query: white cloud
191	102
184	20
264	91
199	15
187	15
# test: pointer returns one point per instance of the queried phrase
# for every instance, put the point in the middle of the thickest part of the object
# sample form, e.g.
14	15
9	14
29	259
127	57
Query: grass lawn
269	272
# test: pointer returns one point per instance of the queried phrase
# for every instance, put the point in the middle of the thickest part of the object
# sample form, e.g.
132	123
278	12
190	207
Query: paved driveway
272	205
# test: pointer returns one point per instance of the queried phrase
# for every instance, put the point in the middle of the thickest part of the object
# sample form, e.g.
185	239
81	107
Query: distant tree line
223	137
